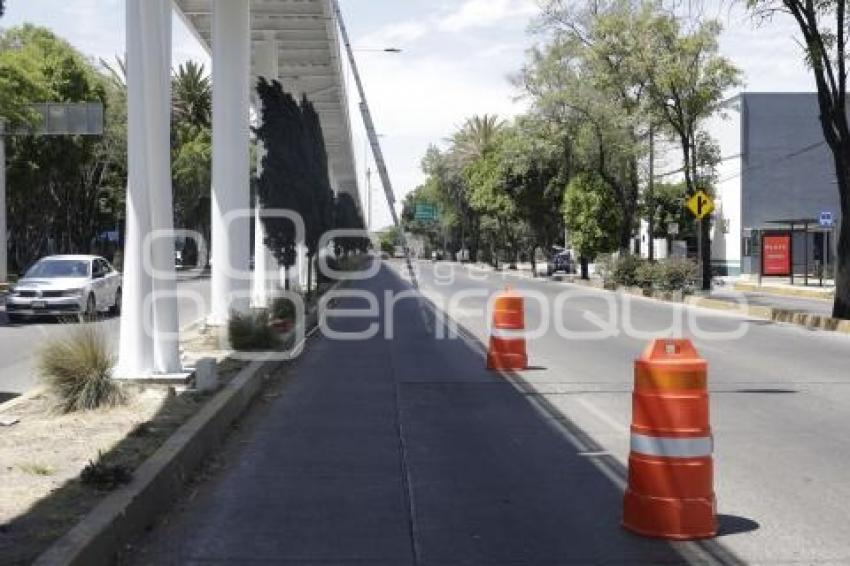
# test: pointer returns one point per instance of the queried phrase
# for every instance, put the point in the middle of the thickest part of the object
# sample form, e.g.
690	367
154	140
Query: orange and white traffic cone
670	493
507	336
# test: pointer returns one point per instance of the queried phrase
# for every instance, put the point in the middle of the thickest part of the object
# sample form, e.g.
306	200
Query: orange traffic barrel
670	492
507	349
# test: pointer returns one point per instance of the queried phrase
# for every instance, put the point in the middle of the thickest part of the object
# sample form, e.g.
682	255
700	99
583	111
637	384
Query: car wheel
116	308
91	309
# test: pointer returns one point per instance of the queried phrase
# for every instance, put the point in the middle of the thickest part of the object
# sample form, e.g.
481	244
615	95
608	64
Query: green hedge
673	274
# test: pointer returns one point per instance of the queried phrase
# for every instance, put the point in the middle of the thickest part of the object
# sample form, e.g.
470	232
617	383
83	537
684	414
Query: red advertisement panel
776	255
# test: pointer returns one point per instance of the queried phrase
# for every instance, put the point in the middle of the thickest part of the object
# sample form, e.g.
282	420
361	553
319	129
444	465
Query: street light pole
368	199
369	124
4	246
650	196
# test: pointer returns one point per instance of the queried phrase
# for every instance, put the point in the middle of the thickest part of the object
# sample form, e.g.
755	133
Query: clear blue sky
457	57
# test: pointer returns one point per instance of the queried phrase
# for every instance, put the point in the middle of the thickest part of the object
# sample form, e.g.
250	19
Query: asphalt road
780	401
19	343
405	450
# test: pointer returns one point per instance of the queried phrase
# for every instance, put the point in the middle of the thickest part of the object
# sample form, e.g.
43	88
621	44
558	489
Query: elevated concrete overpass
293	41
303	39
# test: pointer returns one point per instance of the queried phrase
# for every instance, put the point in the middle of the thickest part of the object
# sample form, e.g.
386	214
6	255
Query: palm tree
117	72
476	137
191	95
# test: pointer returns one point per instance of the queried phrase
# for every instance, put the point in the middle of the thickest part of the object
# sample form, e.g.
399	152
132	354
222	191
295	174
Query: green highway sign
426	212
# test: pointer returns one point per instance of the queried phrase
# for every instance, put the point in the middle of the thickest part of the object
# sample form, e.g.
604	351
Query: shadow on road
7	397
734	525
599	499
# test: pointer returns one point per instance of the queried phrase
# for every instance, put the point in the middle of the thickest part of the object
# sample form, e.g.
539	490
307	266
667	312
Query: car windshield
56	268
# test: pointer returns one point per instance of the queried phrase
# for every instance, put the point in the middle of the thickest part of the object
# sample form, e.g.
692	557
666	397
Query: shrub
283	309
105	477
624	271
252	332
677	274
648	274
77	369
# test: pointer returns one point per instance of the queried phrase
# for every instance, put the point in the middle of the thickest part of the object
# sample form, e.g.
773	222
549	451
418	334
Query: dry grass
35	469
77	369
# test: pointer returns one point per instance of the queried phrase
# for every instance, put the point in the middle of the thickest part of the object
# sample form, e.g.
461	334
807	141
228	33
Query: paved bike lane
400	450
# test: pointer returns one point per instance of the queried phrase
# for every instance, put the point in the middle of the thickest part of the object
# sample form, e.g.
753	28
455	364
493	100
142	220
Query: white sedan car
66	285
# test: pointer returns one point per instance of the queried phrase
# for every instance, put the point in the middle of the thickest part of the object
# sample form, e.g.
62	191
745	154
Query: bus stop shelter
810	245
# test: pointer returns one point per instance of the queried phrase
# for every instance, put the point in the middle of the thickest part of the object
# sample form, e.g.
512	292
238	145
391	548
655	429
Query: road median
99	536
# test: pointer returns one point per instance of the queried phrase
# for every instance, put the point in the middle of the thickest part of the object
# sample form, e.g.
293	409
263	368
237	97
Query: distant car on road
66	285
561	261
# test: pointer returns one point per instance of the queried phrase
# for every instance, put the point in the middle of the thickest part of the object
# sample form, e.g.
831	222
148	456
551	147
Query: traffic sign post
701	205
827	222
55	119
426	212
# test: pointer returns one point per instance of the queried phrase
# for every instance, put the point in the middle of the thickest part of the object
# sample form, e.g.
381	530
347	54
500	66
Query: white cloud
486	13
396	33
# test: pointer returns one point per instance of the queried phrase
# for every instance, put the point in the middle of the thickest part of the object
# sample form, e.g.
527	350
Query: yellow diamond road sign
701	205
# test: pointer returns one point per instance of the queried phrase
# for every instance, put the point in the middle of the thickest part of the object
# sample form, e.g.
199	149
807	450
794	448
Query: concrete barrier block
206	375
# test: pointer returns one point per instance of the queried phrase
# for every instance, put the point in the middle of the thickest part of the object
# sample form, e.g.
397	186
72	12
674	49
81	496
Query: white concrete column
149	322
4	244
265	268
231	207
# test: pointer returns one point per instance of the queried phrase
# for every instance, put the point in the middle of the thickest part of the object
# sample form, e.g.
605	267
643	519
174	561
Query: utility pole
650	192
368	199
4	246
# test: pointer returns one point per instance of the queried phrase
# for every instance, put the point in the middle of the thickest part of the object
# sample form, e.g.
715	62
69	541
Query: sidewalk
397	452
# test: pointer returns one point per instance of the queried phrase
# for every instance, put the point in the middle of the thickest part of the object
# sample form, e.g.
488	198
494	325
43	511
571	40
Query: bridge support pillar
231	206
149	342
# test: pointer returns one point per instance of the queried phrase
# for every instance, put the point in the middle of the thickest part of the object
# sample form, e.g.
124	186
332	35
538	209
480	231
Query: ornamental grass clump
77	370
252	332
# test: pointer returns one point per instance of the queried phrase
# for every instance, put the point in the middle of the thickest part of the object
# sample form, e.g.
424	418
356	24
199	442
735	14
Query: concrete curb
159	481
807	320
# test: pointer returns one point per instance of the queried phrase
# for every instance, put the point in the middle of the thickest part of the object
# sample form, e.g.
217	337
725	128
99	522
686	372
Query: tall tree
486	179
277	187
535	169
191	94
446	178
823	26
347	217
592	216
473	141
477	137
57	185
688	78
319	193
585	80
